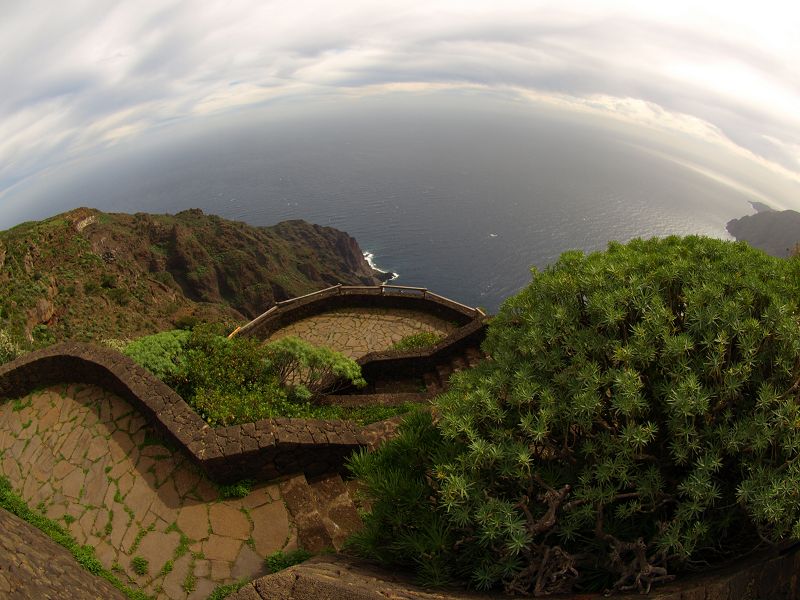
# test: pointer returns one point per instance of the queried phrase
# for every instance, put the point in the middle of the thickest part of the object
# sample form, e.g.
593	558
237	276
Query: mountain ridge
89	275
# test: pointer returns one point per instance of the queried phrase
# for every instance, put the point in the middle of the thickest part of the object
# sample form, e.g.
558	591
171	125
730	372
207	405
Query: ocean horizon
462	197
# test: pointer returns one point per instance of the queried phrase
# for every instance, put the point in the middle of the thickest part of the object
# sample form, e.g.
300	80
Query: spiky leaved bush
160	353
639	412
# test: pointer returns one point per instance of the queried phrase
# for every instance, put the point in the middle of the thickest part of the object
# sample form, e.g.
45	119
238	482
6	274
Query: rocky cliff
90	275
774	231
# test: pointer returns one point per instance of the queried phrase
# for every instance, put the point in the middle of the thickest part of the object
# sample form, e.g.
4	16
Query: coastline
385	276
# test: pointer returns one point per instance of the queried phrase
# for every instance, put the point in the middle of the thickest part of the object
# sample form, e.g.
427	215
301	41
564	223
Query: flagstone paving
86	458
358	331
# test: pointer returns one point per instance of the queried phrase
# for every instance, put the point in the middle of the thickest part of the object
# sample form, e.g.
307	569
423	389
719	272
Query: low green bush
9	347
161	353
280	560
639	416
418	341
311	368
241	380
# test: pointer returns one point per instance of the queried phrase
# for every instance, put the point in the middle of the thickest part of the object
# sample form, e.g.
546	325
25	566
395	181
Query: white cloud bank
83	74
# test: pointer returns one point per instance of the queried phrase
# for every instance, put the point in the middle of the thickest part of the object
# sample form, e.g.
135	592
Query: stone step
322	510
302	504
432	383
339	514
444	372
458	363
473	356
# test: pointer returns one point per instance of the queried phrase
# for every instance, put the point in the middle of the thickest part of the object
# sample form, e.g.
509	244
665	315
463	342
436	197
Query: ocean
457	194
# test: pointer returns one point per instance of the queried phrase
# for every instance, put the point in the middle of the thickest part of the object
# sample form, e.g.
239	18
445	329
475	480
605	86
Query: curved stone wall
262	450
392	363
339	296
414	363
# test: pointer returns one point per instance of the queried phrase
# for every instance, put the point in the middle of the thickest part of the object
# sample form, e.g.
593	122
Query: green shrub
230	381
314	368
42	336
161	353
639	415
108	281
240	380
120	295
240	489
407	525
186	322
418	341
9	348
115	344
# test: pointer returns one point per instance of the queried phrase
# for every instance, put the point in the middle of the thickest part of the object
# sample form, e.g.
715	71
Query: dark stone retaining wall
263	450
414	363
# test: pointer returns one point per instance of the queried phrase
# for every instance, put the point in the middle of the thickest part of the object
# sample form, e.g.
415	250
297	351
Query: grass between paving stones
240	489
140	565
84	555
280	560
190	581
223	591
277	561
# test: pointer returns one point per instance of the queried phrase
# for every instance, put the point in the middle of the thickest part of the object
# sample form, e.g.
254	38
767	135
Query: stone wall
767	577
414	363
410	364
262	450
336	297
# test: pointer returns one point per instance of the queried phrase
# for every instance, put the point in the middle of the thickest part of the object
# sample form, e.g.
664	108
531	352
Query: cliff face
774	232
90	275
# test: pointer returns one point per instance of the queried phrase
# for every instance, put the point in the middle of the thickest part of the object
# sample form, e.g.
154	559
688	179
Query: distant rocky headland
90	275
776	232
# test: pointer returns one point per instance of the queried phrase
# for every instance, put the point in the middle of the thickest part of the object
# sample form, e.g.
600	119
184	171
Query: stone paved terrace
359	331
87	459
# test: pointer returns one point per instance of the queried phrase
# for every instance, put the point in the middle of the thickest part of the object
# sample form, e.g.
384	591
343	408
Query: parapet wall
262	450
340	296
390	363
414	363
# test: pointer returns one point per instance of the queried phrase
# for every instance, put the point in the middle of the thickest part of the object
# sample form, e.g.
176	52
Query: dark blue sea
461	195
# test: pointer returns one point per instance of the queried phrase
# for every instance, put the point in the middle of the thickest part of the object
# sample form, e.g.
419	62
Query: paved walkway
84	457
358	331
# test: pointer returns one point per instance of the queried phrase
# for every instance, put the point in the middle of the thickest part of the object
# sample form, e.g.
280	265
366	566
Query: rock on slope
90	275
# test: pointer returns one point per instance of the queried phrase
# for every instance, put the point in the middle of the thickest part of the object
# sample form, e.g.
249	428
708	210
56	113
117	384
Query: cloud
80	75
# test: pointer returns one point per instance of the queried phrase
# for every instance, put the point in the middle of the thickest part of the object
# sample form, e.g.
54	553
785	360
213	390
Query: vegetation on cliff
639	416
89	275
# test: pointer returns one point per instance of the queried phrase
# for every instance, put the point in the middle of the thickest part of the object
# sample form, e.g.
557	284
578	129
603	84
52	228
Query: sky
81	76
